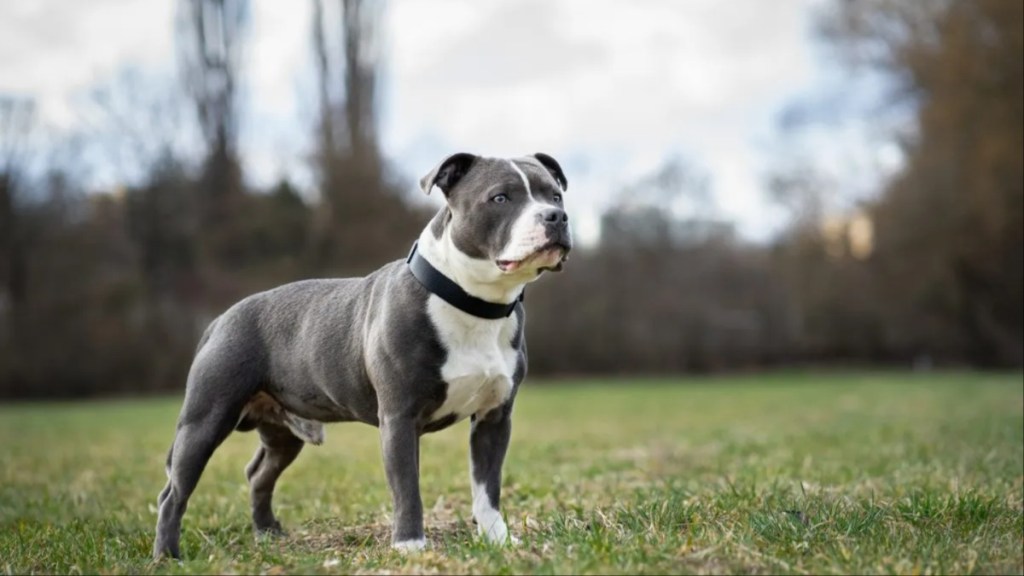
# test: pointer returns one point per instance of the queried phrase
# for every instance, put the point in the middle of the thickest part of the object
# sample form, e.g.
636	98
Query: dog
412	348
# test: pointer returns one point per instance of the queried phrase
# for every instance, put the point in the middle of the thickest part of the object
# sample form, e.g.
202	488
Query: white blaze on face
528	232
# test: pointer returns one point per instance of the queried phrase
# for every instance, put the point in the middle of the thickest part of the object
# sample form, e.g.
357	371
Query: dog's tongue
508	265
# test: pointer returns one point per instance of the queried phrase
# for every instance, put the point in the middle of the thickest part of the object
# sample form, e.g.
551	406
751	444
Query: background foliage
107	290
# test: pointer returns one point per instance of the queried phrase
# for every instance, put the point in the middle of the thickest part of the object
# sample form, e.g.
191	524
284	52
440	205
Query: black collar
445	288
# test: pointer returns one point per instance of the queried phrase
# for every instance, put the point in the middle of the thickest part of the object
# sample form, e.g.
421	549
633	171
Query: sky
611	89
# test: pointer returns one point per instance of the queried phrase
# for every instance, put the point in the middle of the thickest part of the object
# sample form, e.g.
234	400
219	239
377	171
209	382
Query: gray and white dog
392	349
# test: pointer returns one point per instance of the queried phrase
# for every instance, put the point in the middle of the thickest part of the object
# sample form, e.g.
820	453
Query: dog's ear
552	165
446	174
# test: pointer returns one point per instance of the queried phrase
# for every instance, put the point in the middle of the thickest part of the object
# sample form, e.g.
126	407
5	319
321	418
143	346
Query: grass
782	473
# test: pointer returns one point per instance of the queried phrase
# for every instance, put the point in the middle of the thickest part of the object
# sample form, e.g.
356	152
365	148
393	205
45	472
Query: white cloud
277	73
52	48
610	88
622	85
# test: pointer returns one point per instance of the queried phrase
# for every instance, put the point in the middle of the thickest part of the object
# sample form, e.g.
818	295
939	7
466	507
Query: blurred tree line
105	292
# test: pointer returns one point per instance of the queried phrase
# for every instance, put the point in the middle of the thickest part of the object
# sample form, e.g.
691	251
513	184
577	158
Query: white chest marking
480	362
528	233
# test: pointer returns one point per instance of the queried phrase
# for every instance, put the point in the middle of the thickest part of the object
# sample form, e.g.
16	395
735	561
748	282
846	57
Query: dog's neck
479	278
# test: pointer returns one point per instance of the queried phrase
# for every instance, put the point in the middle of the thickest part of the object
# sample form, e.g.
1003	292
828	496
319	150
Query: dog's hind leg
213	405
200	431
278	448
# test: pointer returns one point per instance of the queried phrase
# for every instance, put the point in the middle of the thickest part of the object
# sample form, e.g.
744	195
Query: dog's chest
480	361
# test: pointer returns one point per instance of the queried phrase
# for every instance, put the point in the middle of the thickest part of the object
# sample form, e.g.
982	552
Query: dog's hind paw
410	546
270	532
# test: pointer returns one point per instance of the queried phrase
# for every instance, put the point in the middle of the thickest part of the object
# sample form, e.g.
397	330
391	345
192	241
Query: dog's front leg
400	444
488	442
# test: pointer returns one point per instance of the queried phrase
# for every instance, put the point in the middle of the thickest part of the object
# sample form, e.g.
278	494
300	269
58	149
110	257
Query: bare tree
361	33
16	121
348	105
134	121
361	217
325	122
210	43
950	226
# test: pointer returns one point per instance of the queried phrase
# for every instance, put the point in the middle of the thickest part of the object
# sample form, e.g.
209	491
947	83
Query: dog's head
507	213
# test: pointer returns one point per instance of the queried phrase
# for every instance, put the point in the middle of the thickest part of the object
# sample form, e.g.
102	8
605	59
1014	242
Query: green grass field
782	473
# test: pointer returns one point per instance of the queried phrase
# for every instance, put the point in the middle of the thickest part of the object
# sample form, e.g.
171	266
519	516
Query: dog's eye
500	198
557	198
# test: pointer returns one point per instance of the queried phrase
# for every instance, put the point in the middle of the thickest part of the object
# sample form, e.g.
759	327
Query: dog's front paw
410	546
496	531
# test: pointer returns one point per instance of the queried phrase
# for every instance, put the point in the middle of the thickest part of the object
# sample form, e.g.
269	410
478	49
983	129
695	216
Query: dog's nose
555	216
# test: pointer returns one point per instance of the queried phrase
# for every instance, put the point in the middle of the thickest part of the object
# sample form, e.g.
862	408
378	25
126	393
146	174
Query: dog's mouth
550	256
